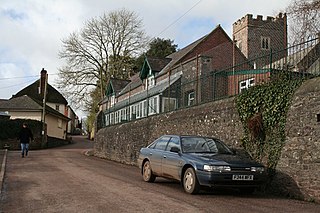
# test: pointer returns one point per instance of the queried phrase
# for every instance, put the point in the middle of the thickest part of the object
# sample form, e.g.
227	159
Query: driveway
65	180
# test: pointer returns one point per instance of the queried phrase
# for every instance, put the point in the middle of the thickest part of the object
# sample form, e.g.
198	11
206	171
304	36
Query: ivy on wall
263	111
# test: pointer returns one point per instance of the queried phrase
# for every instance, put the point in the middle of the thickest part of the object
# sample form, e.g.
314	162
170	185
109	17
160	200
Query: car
198	162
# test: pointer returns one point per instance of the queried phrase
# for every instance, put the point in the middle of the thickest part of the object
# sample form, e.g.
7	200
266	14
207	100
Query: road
65	180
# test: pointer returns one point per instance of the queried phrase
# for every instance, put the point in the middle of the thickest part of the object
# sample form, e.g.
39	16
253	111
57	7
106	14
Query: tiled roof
157	64
53	96
27	104
135	82
118	84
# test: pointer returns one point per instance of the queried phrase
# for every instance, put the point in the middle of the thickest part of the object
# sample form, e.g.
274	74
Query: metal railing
301	60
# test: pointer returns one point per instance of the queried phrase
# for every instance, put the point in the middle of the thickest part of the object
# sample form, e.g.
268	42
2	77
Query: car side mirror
175	149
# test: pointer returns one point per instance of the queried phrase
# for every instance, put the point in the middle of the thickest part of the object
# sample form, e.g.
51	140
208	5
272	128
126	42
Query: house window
57	107
153	105
138	110
123	113
191	98
133	112
243	85
112	100
112	118
59	123
265	43
107	119
144	114
116	117
168	104
150	82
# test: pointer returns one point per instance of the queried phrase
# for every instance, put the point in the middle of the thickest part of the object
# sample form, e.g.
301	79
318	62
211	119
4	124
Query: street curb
3	168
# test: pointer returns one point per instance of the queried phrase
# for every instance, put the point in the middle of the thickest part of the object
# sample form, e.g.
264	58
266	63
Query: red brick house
157	87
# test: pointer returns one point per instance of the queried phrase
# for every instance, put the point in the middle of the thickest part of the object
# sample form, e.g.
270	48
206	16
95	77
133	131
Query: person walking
25	136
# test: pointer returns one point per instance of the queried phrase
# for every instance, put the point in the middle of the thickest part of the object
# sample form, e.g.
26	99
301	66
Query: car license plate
242	177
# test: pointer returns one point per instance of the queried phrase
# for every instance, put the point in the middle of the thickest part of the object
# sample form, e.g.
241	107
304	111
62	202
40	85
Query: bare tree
304	19
102	48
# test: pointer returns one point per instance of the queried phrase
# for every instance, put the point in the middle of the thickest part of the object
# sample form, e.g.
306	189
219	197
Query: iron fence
301	60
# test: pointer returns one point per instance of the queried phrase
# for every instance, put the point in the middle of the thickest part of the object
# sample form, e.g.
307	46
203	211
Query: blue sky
32	30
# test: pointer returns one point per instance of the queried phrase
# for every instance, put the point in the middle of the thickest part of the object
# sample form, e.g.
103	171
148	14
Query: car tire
190	181
147	174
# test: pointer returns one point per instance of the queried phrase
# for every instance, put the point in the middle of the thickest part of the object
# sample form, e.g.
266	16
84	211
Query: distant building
28	104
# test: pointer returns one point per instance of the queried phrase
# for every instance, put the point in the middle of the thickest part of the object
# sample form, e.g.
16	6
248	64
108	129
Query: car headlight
257	169
216	168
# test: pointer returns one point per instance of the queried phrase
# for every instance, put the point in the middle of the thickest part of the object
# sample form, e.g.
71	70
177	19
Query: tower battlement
249	20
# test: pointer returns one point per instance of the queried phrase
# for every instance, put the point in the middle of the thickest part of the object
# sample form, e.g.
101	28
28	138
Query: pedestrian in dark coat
25	136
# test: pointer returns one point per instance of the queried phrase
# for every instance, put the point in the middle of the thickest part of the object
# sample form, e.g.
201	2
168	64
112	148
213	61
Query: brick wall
298	171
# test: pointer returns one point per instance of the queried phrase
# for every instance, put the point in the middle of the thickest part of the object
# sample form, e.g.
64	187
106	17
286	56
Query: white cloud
31	30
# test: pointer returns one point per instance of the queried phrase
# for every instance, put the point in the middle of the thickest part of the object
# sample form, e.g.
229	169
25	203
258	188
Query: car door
156	154
172	162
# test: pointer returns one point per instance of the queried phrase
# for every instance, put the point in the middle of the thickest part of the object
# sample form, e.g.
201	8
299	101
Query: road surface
65	180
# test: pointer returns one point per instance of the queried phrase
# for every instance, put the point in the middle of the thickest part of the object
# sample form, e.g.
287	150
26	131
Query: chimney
43	80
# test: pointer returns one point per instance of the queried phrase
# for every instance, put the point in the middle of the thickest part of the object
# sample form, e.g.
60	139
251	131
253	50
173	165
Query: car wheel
190	181
147	172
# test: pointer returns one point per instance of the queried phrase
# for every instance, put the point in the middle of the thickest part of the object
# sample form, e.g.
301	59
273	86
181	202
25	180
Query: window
191	98
168	104
112	118
173	142
162	143
243	85
123	113
150	82
57	107
116	117
153	105
144	114
112	100
133	112
138	110
265	43
107	120
59	123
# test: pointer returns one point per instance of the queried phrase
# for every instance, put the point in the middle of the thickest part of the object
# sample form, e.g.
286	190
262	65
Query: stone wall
123	142
298	171
300	158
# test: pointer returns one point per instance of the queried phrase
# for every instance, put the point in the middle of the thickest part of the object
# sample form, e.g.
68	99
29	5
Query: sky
31	31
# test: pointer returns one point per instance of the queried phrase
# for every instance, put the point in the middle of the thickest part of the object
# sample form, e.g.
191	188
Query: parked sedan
198	161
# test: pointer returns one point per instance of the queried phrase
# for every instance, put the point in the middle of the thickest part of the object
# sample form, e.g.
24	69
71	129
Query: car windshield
203	145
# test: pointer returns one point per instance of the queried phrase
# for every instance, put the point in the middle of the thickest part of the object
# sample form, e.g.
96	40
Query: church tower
256	37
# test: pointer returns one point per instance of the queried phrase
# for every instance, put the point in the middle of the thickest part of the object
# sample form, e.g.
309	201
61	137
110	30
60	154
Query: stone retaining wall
298	171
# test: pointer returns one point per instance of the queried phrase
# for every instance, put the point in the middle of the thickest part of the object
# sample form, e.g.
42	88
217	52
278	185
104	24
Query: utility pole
43	119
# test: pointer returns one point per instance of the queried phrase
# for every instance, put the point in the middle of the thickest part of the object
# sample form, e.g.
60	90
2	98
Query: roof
116	85
27	104
153	64
180	56
53	96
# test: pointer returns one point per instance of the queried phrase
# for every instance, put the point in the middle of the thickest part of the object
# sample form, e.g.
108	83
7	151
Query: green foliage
11	128
159	48
272	100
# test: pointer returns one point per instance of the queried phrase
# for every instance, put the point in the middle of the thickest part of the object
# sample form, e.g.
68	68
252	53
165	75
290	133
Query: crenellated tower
258	37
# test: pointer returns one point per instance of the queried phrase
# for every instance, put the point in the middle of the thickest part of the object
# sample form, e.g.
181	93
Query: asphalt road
65	180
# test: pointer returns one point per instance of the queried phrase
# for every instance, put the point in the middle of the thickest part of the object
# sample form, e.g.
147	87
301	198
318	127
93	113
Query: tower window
265	43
